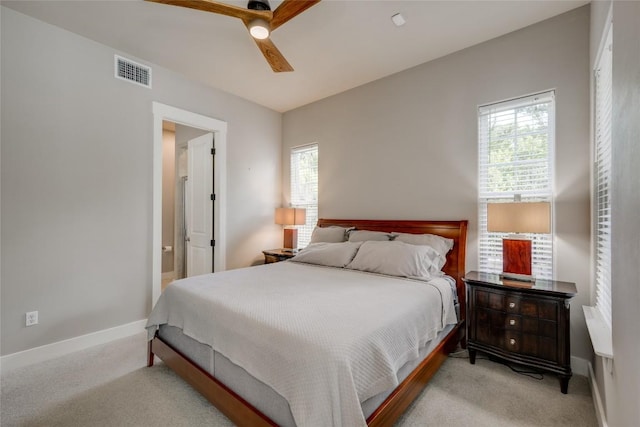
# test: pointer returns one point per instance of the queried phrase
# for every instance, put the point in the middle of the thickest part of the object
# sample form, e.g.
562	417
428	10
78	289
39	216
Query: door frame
163	112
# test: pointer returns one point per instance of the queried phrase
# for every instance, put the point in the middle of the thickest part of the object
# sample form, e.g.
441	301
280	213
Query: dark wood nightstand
276	255
522	322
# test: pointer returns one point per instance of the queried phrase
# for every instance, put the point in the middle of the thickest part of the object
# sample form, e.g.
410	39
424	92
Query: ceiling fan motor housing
258	5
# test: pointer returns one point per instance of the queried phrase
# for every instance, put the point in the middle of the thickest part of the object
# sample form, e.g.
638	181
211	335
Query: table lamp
290	217
518	217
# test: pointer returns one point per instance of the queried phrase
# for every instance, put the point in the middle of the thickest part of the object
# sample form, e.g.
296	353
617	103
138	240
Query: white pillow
365	235
328	254
333	234
439	243
394	259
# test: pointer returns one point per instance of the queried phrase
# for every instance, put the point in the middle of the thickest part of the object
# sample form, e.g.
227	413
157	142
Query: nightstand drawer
503	301
530	345
515	304
542	348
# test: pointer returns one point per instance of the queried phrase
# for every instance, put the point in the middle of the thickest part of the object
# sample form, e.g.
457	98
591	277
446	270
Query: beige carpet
109	385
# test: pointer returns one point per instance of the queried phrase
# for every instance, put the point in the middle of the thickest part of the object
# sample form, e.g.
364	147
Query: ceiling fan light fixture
259	28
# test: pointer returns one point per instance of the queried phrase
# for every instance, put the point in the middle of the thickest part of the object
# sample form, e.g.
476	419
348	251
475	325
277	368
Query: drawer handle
512	322
512	304
512	341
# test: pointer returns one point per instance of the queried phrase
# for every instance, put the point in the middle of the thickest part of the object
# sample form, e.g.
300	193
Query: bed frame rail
238	410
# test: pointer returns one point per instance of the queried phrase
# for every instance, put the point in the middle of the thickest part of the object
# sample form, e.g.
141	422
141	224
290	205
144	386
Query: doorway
164	113
187	202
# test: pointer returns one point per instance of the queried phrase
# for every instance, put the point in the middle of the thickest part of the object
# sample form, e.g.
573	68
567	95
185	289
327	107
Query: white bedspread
324	338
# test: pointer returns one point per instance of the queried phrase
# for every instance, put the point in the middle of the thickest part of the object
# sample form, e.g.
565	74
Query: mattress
326	340
259	394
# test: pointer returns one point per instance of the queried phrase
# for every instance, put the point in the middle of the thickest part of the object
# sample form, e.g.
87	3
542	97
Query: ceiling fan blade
273	56
289	9
220	8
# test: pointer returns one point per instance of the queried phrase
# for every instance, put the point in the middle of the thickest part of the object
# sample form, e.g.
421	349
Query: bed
222	362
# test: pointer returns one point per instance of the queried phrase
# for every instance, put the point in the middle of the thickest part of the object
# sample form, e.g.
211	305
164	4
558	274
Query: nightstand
276	255
521	322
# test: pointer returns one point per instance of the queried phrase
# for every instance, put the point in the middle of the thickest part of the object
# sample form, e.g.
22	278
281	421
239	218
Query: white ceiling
333	46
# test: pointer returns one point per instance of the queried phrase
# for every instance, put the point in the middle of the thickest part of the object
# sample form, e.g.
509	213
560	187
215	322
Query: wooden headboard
456	230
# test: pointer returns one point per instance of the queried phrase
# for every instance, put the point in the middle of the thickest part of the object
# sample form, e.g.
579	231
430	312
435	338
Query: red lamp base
516	258
290	239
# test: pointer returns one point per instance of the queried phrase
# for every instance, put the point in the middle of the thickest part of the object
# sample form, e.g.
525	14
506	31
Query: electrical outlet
32	318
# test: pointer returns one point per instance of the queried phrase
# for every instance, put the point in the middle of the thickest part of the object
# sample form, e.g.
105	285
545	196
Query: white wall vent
131	71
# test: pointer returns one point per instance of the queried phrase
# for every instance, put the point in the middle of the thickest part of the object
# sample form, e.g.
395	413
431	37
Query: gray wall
599	13
76	178
621	388
623	409
405	146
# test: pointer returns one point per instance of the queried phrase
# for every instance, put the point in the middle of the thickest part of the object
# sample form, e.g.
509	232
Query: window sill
600	334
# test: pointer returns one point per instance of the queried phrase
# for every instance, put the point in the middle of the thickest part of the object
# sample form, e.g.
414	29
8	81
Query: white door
199	205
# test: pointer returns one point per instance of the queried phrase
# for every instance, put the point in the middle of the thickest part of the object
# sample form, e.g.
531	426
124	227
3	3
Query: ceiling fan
259	20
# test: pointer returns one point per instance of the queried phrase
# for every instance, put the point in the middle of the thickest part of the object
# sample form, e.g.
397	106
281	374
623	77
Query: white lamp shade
519	217
291	216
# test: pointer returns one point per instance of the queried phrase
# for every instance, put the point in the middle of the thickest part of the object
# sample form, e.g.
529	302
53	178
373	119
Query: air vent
133	72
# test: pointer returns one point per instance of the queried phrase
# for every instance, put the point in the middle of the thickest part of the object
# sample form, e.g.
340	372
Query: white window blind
602	192
516	157
304	188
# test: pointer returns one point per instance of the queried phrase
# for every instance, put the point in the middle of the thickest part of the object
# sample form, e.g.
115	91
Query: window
304	188
516	145
602	179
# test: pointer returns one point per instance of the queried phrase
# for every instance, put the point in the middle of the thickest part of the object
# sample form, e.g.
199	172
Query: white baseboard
61	348
601	415
580	366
